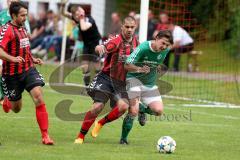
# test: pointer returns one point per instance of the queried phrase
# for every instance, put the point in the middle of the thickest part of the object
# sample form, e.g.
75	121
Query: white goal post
143	20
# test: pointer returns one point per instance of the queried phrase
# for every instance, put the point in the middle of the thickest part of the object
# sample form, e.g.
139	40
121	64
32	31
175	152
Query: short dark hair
165	34
129	18
50	12
73	9
16	6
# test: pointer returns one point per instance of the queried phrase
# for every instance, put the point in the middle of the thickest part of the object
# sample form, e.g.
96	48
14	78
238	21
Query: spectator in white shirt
183	43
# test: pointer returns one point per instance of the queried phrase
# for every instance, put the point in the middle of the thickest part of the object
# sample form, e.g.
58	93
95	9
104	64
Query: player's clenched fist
18	59
37	61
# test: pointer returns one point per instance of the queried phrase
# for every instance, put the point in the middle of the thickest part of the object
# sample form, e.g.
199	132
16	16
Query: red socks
87	123
90	118
113	115
7	106
42	119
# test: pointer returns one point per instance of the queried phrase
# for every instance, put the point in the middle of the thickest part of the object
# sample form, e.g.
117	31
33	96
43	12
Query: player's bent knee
16	109
134	113
97	108
38	99
123	107
159	112
16	106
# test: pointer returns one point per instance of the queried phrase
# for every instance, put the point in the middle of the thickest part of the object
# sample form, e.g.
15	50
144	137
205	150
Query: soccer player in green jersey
142	66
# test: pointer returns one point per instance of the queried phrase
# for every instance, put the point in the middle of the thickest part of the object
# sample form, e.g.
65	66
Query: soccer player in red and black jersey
110	82
19	72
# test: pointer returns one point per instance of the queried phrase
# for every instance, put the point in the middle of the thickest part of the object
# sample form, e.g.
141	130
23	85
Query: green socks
128	120
145	109
127	126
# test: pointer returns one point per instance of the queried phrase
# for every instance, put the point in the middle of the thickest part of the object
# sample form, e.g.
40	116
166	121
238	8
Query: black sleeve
91	20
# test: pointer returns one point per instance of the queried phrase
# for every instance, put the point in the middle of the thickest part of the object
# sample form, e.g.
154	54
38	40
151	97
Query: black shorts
103	88
14	85
89	53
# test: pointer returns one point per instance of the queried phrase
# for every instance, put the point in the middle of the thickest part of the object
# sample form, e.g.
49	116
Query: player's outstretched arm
133	68
62	9
7	57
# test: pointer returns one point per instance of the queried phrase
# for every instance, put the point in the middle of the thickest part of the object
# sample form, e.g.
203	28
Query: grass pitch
200	133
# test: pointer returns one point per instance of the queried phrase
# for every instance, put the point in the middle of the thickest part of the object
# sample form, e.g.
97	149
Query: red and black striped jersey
118	50
15	42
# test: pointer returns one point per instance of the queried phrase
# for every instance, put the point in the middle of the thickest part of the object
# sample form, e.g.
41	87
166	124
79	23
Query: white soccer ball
166	144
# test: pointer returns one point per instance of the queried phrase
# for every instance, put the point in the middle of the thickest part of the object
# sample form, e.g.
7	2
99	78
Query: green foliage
202	9
221	18
235	26
213	15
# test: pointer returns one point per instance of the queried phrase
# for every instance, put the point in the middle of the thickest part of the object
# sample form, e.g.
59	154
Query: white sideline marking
210	106
204	106
192	123
213	104
208	114
197	112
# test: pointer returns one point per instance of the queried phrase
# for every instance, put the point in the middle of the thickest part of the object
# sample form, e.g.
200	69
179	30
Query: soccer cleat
123	141
47	140
78	141
142	118
6	105
96	130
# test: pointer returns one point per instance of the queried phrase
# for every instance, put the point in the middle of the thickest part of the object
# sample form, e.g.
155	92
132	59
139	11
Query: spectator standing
90	36
151	25
183	43
115	27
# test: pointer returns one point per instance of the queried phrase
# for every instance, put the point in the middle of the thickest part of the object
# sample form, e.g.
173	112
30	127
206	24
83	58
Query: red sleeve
158	27
161	27
5	37
112	44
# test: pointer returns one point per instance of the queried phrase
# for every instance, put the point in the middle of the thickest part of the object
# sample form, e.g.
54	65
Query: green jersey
145	55
5	17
